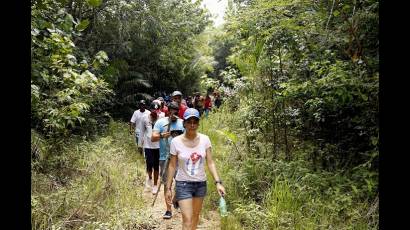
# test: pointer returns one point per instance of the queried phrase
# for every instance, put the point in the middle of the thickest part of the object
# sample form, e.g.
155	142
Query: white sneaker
154	189
148	185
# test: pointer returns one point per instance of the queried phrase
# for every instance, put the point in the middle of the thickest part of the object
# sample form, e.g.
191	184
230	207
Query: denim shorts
189	189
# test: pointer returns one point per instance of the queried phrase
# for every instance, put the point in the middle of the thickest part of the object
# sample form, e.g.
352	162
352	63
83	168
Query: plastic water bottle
222	207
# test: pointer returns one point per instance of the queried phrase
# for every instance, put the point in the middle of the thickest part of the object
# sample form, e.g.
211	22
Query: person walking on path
189	102
164	130
207	105
164	107
198	103
218	100
191	150
135	123
177	97
151	149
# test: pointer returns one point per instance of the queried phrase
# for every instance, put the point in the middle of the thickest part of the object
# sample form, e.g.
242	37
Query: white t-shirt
191	161
146	131
137	118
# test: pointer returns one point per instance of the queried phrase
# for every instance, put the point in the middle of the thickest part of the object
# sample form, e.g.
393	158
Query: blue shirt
161	126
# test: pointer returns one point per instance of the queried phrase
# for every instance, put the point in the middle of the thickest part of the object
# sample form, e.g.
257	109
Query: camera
175	133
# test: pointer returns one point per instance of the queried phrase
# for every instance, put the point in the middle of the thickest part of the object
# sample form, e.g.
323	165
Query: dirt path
209	222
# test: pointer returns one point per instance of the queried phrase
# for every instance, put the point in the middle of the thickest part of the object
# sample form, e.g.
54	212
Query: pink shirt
191	161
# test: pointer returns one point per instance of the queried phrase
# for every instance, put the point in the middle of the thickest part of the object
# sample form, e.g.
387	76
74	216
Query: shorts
152	159
189	189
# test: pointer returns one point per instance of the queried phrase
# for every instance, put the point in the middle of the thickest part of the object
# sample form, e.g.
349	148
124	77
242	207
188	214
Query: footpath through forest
105	190
209	220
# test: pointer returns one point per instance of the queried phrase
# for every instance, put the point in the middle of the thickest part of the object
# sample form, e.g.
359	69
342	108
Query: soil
209	221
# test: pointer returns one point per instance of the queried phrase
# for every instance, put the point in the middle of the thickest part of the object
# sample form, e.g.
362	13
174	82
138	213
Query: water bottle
222	207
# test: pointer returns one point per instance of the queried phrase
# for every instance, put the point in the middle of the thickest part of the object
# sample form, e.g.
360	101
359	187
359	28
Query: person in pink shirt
191	150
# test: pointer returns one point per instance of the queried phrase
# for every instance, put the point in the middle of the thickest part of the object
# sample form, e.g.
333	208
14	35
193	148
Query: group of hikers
203	104
167	135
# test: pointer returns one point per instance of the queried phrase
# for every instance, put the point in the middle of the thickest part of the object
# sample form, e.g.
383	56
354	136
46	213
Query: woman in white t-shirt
190	150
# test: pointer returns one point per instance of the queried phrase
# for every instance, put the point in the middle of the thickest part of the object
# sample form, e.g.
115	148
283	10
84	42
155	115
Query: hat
176	93
155	105
191	112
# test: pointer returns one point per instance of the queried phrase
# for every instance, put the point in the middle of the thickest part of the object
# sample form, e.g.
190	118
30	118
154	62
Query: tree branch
330	15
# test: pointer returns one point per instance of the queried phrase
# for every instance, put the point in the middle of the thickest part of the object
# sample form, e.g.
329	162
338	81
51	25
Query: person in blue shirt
160	132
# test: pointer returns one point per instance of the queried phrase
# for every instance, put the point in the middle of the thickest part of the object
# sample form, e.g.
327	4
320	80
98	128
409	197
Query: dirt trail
209	222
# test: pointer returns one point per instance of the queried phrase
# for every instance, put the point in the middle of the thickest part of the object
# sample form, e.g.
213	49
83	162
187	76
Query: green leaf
94	3
82	25
102	55
231	136
69	19
68	22
364	97
374	140
355	190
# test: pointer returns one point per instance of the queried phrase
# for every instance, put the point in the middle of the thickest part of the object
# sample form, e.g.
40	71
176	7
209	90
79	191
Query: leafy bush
66	83
269	192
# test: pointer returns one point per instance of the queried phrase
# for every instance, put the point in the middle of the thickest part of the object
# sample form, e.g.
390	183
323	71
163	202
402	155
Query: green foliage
154	47
296	141
94	3
268	193
316	74
82	25
100	188
65	84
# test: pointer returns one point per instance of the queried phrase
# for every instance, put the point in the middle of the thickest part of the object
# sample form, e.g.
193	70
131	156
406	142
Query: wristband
218	182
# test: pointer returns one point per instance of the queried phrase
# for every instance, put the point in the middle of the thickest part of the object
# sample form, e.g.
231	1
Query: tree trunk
286	135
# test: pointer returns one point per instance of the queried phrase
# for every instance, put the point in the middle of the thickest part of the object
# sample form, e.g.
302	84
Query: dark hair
173	105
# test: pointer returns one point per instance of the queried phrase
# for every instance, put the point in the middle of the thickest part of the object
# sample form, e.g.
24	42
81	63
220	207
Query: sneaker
148	184
167	215
154	189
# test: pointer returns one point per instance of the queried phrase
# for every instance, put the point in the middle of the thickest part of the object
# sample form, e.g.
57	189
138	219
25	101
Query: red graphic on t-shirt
195	157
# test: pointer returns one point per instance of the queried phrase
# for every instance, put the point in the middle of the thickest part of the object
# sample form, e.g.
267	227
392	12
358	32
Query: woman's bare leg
196	210
186	210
